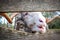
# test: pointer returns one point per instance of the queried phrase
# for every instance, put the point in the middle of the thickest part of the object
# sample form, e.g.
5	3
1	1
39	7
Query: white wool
33	17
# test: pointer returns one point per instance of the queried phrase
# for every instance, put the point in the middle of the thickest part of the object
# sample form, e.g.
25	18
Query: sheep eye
26	13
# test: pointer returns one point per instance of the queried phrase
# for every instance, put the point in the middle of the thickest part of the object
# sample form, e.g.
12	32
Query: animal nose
40	20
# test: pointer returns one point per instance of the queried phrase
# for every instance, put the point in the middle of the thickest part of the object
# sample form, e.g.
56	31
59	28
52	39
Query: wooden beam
29	5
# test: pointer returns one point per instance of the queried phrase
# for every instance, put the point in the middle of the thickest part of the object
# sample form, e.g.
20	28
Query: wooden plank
29	5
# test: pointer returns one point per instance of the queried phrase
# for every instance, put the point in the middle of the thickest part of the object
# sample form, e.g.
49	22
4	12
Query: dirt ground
11	34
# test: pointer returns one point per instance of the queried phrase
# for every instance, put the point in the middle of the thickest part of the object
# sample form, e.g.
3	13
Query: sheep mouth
41	27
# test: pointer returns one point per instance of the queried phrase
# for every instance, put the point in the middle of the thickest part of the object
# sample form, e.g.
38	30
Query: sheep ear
7	17
50	20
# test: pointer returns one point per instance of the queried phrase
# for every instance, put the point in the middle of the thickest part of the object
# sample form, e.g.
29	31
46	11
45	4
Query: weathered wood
11	34
29	5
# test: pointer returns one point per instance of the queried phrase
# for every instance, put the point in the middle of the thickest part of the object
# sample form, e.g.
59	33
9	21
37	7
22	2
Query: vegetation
54	24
